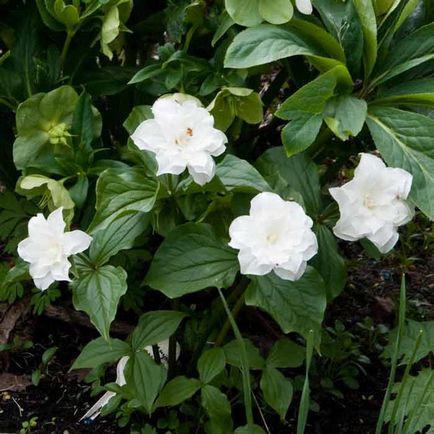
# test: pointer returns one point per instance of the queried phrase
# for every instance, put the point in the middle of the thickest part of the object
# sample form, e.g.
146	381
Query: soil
62	397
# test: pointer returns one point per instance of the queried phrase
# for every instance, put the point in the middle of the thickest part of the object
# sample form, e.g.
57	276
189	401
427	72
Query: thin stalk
303	409
391	381
227	325
172	344
69	35
244	363
397	402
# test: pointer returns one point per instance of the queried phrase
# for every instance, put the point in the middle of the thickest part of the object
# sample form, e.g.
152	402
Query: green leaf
217	406
296	306
210	364
276	11
345	115
123	190
267	43
368	22
414	50
411	93
404	140
342	21
139	114
249	429
97	292
286	354
299	172
177	391
145	378
329	262
244	12
155	327
233	354
120	234
101	351
306	108
408	341
277	390
86	123
418	402
192	258
239	175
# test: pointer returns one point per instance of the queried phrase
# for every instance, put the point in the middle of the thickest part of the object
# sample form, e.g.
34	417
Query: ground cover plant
216	216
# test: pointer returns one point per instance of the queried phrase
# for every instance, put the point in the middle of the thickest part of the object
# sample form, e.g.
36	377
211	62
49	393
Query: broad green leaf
414	50
138	114
408	341
307	107
416	404
276	11
244	12
286	354
277	390
329	262
233	354
342	21
299	172
47	17
145	378
210	364
149	71
296	306
101	351
118	191
118	235
86	123
192	258
368	21
345	115
217	406
239	175
97	292
404	140
301	132
155	327
411	93
267	43
177	391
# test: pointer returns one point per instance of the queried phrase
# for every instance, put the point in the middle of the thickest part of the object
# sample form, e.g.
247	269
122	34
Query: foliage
298	97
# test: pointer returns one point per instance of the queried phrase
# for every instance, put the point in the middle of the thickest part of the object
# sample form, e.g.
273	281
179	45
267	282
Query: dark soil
62	397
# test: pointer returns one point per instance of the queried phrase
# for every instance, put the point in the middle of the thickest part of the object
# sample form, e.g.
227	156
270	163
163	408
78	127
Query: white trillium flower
304	6
276	236
182	136
373	204
48	246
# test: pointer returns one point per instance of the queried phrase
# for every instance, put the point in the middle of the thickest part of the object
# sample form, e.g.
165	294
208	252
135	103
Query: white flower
276	236
181	135
48	246
304	6
373	204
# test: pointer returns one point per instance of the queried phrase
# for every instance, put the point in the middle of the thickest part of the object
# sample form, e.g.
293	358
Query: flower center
183	139
271	238
368	202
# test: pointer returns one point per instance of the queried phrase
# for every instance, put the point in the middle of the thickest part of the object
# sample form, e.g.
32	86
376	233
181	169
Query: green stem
244	363
227	325
172	344
69	35
392	375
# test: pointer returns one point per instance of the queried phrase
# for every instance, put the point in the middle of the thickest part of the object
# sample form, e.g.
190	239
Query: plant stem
172	344
392	375
244	362
69	35
227	325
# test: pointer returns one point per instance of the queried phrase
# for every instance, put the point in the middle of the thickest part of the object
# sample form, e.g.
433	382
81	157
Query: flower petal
76	242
